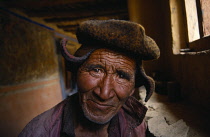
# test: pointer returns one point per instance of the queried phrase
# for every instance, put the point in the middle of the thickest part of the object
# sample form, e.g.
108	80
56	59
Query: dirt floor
168	118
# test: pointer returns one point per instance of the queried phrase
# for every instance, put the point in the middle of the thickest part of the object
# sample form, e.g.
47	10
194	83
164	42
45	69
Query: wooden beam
111	15
41	3
78	21
67	26
72	30
69	13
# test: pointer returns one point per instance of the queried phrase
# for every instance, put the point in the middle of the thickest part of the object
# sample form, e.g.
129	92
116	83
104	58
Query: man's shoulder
46	122
135	109
134	112
130	120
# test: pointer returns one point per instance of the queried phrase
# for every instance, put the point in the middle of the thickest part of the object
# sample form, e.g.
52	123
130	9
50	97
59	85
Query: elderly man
106	71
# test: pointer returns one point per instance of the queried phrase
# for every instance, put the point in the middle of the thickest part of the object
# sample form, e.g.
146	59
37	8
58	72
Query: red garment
58	121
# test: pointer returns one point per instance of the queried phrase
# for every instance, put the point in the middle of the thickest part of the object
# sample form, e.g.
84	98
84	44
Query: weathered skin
105	81
145	80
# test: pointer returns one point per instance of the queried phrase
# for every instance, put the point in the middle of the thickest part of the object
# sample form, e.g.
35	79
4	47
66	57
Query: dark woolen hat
121	34
125	36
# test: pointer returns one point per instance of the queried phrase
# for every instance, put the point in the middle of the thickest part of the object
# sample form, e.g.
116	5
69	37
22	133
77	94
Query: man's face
105	81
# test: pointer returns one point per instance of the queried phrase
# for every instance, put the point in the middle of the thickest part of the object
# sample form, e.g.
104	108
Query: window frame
186	21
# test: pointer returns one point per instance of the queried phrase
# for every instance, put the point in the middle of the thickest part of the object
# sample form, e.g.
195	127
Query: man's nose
105	89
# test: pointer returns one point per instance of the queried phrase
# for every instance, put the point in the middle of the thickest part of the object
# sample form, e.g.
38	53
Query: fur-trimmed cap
122	34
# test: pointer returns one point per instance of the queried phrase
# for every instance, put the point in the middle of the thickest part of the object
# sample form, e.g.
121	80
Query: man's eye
97	70
123	75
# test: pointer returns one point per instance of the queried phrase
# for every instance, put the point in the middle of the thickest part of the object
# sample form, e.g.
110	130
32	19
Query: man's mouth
99	106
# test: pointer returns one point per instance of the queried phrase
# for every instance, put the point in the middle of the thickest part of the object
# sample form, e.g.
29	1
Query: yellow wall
191	71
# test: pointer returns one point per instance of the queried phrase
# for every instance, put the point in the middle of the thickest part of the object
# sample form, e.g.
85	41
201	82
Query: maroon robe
58	121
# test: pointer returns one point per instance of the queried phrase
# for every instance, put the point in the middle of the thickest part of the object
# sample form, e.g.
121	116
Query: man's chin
97	119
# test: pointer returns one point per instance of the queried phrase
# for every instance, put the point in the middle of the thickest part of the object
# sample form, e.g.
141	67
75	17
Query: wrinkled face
104	82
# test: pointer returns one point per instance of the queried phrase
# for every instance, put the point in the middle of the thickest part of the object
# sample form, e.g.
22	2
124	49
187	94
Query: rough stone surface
175	119
178	129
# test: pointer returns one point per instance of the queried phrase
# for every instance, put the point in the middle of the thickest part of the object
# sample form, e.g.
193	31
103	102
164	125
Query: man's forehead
111	58
109	54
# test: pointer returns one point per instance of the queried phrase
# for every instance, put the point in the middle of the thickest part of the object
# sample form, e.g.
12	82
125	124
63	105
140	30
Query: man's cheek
124	90
86	83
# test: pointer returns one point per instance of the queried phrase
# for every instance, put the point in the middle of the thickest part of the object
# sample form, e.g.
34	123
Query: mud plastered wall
29	80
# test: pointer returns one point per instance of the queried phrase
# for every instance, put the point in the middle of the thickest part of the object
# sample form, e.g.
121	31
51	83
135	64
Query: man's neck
86	128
